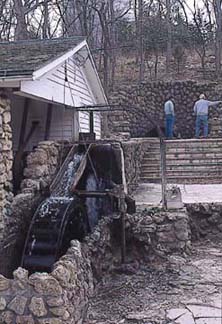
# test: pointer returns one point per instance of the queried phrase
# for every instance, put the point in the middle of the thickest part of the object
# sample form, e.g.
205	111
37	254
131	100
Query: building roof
22	58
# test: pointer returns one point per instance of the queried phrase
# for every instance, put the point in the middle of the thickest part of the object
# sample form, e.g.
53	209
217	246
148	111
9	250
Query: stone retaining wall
6	160
145	103
134	151
42	165
61	296
154	232
206	219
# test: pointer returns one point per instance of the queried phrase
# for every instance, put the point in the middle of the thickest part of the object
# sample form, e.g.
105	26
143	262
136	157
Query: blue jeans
201	120
170	119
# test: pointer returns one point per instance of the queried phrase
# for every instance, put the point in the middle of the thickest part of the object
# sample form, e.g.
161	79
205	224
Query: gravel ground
151	290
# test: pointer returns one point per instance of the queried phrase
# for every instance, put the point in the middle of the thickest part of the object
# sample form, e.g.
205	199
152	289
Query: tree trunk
102	14
218	15
156	64
45	27
169	35
113	44
21	31
203	64
140	39
137	26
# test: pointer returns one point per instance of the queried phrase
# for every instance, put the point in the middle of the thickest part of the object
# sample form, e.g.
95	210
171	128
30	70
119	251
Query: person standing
169	117
201	107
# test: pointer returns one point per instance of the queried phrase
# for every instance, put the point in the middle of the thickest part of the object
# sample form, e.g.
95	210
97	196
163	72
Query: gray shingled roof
22	58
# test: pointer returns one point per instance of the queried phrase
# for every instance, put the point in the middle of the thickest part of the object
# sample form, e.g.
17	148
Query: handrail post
163	171
122	208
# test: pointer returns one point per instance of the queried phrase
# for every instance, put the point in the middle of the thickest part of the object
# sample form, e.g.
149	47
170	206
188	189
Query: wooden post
122	207
123	247
17	163
91	122
163	171
48	121
24	122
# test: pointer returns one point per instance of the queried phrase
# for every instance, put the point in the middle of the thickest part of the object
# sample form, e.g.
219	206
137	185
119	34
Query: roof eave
17	78
49	66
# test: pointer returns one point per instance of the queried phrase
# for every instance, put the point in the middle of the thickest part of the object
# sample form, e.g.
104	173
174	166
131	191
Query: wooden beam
17	163
91	122
92	194
81	168
48	121
122	207
73	150
24	122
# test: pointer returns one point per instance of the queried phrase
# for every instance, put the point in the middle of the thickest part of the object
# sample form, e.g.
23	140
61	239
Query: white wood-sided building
47	80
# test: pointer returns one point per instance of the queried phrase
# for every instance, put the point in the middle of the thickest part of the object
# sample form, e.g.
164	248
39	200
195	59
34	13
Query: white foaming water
63	190
61	194
51	203
32	246
91	203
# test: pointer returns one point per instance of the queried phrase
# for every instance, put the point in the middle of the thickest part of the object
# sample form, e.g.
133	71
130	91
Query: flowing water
63	190
92	203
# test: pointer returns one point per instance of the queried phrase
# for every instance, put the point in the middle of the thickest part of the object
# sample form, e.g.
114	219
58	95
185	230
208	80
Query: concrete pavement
150	193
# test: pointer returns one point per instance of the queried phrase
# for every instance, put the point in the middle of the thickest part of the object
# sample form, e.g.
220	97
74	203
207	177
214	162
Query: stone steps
193	150
185	168
187	161
173	162
182	150
183	180
182	173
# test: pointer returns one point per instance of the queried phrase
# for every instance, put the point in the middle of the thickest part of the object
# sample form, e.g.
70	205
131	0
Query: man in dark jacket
201	107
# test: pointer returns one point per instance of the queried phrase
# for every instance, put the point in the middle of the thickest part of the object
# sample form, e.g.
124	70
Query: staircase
187	161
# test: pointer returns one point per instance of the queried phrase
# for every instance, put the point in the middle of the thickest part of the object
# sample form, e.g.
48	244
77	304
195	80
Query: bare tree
140	39
218	42
46	24
169	34
21	31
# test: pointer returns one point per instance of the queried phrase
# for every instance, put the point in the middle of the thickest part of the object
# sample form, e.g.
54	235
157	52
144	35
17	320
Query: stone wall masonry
206	219
40	169
155	232
6	160
42	164
134	151
62	296
145	104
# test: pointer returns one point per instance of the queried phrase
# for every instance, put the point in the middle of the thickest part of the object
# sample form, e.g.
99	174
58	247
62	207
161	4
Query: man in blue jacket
169	117
201	107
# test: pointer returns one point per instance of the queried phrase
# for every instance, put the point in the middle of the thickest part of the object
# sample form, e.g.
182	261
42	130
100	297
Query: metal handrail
163	171
162	165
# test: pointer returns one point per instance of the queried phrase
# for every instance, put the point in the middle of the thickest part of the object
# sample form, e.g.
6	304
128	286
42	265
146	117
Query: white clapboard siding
74	91
37	112
88	100
83	122
62	124
97	124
